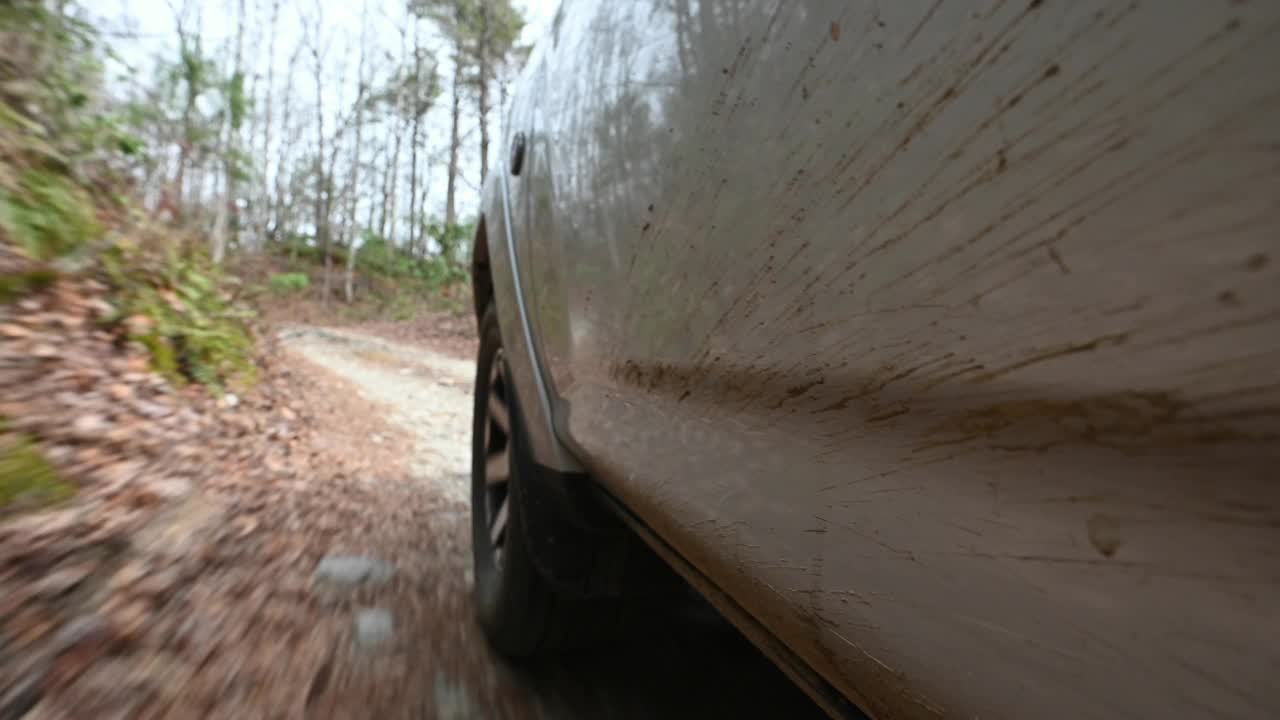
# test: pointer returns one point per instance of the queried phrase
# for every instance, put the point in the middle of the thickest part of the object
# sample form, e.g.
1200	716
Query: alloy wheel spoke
497	468
498	529
498	413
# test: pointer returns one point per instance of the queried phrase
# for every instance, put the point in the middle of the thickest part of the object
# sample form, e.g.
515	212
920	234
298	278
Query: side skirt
822	692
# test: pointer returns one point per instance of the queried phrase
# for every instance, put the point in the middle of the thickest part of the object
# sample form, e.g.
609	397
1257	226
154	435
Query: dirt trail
428	394
435	662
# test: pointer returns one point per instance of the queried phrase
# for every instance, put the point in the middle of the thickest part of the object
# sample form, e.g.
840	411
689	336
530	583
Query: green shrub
13	286
47	214
289	282
174	305
27	478
378	257
66	158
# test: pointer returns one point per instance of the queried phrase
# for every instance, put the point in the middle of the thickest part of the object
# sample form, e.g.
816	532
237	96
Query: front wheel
520	612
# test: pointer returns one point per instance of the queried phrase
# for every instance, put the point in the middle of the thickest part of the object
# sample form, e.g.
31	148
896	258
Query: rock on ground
373	627
349	571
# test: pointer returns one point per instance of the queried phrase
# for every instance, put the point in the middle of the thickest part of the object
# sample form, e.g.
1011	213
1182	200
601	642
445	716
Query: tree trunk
388	174
229	148
218	236
321	209
450	211
373	187
482	48
282	215
354	182
188	134
263	203
401	124
420	211
413	141
330	173
395	181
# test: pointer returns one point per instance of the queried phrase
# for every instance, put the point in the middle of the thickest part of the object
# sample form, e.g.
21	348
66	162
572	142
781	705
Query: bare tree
320	218
353	183
282	219
455	115
413	139
483	34
401	126
482	59
230	144
262	204
190	68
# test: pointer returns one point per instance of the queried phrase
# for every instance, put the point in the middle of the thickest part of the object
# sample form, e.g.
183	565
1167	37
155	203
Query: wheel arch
481	272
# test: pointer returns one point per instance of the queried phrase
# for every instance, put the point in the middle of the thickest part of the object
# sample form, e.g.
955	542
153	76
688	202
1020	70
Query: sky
146	29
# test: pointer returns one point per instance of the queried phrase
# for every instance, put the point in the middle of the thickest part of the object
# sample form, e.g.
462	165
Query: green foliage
378	257
192	70
46	213
284	283
60	150
199	97
302	247
58	192
463	22
65	51
27	479
173	303
15	285
237	101
453	240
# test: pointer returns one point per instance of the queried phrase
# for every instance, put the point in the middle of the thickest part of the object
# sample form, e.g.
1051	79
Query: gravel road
416	651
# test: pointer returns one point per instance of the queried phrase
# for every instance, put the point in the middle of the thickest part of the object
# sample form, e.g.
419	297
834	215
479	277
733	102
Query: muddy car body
938	342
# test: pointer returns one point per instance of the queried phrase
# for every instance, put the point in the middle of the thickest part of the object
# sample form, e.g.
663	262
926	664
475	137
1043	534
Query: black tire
521	613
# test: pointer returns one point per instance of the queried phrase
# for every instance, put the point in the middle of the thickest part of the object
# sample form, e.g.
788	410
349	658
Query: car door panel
942	336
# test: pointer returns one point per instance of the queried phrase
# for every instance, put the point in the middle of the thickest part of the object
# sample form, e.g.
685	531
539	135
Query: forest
171	170
351	137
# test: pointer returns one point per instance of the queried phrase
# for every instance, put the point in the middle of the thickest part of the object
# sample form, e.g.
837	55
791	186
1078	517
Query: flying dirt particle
1257	262
1104	534
835	31
1052	70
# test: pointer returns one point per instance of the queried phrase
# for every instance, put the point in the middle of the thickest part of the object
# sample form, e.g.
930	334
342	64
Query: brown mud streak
1131	420
1054	354
1116	420
968	72
915	32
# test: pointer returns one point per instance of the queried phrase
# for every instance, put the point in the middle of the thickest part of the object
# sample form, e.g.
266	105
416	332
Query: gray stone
373	627
452	700
351	570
